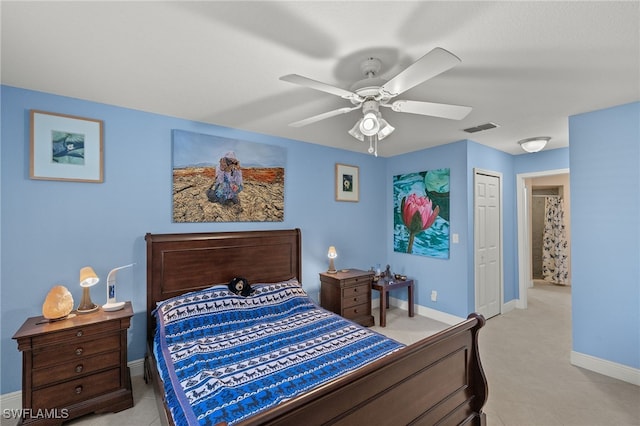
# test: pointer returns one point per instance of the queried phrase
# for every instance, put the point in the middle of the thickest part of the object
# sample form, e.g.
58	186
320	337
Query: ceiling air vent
481	127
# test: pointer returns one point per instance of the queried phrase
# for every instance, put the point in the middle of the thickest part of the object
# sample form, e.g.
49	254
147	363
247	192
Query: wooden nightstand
348	294
74	366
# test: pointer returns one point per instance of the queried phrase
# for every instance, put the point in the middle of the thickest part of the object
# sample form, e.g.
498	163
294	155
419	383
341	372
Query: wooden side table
384	287
348	293
74	366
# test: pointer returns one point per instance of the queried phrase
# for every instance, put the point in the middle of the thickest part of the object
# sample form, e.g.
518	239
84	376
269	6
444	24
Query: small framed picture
65	147
347	183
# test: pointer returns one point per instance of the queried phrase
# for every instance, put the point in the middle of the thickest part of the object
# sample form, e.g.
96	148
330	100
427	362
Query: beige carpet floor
525	354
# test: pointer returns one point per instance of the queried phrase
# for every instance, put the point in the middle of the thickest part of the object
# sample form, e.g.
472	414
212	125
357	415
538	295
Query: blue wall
481	157
453	278
447	276
50	229
605	227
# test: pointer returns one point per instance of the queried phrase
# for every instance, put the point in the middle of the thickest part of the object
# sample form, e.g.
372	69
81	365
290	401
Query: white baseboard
136	367
608	368
509	306
13	400
421	310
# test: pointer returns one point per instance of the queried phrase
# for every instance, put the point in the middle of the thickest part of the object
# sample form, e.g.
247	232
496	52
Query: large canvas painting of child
218	179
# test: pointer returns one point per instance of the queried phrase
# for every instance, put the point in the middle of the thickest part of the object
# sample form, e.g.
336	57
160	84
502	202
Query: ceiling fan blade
452	112
433	63
323	87
323	116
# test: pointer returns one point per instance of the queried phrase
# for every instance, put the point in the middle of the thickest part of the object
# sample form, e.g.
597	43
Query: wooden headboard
179	263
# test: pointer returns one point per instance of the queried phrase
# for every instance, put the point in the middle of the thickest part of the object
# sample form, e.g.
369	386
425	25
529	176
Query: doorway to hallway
525	183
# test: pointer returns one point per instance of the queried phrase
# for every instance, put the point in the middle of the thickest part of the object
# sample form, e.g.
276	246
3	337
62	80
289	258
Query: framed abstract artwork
66	147
347	183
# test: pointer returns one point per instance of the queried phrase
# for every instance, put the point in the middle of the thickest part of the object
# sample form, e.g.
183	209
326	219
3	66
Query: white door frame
498	175
524	245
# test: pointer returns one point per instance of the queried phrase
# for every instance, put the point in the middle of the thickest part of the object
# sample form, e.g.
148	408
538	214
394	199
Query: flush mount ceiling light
534	144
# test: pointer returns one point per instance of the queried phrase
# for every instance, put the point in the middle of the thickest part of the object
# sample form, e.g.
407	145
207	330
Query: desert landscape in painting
261	200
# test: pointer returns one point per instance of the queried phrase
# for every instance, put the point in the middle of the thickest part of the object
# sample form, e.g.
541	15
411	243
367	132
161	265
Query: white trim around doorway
524	246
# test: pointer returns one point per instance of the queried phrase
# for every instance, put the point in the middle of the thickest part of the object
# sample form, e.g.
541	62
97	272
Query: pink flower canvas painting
421	213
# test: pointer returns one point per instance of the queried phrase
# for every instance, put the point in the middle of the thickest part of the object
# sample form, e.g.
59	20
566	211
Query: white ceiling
526	66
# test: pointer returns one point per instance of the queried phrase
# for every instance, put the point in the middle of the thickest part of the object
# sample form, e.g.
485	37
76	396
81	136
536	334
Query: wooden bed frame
438	380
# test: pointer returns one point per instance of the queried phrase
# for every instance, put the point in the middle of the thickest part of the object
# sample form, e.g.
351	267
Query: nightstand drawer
76	390
355	311
366	280
75	368
75	334
55	354
350	292
356	299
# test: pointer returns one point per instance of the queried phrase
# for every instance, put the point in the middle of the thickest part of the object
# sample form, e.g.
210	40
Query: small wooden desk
384	287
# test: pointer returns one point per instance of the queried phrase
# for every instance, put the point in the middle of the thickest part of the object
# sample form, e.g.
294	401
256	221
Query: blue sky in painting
197	149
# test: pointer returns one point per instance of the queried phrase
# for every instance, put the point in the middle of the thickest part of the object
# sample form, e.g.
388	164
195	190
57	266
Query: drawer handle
355	311
79	368
355	299
79	333
355	290
78	390
79	351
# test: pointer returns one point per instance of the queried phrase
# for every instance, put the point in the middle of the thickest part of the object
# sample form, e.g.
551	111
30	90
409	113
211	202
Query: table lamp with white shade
88	278
332	254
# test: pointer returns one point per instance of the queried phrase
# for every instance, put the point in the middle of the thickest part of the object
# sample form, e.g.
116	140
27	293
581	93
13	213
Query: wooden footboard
436	381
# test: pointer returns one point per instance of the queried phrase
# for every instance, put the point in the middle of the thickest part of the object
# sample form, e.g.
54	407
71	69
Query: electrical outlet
434	296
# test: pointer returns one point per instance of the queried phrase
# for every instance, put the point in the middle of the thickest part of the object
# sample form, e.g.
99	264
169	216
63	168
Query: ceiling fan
374	92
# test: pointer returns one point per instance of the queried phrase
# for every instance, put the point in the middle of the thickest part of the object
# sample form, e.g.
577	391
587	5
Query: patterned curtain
554	243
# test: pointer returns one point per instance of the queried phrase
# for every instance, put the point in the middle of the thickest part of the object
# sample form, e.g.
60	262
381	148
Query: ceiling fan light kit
382	129
385	129
373	91
369	125
534	144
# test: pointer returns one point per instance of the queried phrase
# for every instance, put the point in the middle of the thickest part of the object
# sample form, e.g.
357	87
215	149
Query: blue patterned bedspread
231	357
